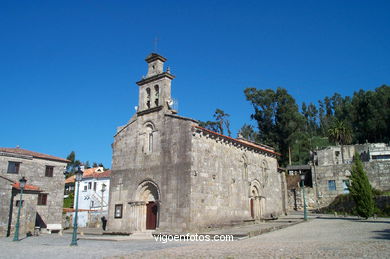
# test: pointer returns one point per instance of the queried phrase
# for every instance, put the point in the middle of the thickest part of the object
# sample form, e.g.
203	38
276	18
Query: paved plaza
321	237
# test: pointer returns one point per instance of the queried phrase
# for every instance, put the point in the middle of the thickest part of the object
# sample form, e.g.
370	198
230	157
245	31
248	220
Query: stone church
171	175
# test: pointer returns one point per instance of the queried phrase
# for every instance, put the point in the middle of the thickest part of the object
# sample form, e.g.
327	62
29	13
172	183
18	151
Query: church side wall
220	184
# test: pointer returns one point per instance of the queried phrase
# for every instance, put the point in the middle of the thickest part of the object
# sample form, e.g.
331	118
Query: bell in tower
155	88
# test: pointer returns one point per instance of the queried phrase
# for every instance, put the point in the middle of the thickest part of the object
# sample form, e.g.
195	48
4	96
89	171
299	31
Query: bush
361	190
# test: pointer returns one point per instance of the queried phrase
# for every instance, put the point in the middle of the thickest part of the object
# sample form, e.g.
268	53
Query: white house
93	197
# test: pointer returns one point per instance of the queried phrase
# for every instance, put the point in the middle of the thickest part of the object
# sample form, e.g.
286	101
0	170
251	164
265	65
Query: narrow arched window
156	95
264	168
150	142
148	98
149	139
245	172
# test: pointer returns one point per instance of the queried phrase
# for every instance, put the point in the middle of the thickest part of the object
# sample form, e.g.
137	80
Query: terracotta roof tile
27	187
105	174
32	153
90	173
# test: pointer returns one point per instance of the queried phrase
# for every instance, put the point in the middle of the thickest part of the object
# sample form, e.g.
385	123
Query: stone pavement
238	231
322	237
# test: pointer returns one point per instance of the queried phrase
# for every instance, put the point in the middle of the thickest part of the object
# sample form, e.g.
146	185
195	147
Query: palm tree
341	134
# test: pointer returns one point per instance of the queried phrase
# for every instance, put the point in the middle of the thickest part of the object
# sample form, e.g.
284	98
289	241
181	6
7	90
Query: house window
89	185
92	204
332	185
17	203
118	211
13	167
85	188
42	199
345	186
49	171
94	186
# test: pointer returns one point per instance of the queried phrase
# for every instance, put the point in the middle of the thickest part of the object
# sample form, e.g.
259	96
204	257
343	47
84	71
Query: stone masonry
32	167
170	175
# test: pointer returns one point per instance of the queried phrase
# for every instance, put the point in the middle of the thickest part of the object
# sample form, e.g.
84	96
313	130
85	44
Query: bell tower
155	87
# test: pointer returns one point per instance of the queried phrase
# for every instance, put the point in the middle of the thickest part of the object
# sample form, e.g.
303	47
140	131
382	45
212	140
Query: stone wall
378	173
167	165
34	171
221	177
5	203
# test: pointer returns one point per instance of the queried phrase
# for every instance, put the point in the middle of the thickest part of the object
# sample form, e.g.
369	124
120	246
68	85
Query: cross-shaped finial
155	44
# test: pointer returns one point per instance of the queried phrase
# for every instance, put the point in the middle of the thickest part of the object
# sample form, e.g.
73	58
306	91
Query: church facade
171	175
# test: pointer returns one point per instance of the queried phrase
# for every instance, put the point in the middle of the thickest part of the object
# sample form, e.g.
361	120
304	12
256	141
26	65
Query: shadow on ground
382	234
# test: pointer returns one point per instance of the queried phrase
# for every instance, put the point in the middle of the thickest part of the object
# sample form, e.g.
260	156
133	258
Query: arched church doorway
148	194
256	200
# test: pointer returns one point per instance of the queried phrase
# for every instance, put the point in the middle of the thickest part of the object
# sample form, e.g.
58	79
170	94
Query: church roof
25	152
240	142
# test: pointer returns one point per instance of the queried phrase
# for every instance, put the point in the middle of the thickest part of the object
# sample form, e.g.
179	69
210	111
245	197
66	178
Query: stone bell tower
155	87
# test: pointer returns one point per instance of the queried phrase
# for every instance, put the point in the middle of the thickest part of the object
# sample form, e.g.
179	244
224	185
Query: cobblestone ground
318	238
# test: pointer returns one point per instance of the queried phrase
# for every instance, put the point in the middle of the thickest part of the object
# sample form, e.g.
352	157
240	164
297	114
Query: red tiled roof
245	143
32	153
90	173
27	187
104	174
70	179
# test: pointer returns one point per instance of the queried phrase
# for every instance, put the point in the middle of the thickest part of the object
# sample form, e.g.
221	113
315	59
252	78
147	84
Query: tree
280	124
247	132
220	124
341	134
361	190
71	167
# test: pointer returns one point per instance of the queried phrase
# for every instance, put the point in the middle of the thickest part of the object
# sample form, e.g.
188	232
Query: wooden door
151	215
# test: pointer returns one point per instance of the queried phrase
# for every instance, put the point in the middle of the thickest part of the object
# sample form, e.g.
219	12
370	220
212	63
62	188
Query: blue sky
68	68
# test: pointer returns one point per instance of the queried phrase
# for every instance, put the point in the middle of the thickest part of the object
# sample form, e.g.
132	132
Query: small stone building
328	176
43	195
332	167
171	175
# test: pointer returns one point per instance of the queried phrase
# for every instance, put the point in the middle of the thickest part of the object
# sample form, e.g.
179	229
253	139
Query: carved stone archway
145	209
257	201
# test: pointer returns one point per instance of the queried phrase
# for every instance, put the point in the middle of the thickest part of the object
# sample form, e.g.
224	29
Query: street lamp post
78	178
101	203
304	198
22	184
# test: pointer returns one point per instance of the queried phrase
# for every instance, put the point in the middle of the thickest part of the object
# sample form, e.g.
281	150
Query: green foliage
221	124
68	202
248	132
281	125
279	122
340	133
361	190
71	167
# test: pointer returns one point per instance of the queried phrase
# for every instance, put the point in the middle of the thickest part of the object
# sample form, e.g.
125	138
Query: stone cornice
154	78
154	109
237	142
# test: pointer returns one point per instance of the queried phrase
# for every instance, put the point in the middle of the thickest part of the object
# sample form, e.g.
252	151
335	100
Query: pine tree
361	190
